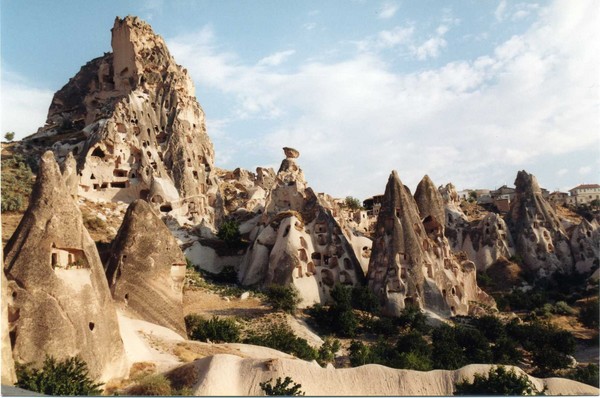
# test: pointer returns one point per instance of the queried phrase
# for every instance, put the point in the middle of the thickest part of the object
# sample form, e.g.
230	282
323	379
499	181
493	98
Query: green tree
282	338
217	330
9	136
283	298
352	203
589	314
287	387
498	381
67	377
229	231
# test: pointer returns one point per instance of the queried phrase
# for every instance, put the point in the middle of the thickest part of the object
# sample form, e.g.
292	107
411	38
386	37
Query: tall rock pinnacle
146	268
59	302
132	120
411	262
540	237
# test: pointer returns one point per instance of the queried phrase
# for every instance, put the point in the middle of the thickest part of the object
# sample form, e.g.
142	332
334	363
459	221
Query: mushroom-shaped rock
146	268
60	300
291	153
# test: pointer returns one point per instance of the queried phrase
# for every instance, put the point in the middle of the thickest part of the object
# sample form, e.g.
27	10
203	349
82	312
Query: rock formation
299	240
585	245
146	268
206	377
59	304
9	376
411	262
484	241
132	120
539	236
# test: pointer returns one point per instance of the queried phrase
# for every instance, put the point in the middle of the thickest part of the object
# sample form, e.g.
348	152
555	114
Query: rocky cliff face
484	241
539	235
585	245
411	262
300	241
9	376
132	120
59	301
146	268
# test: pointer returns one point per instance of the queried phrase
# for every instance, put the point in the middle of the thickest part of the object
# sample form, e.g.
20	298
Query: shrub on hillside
589	374
281	337
283	298
217	330
498	381
229	232
286	387
589	314
152	385
67	377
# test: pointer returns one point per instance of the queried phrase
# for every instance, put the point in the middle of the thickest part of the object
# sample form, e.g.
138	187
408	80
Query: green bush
586	374
362	298
229	232
352	203
491	327
287	387
17	183
217	330
589	314
326	353
152	385
563	308
9	136
280	337
67	377
498	381
338	318
283	298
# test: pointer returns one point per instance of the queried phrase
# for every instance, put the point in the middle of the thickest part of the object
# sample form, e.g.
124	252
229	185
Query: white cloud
309	25
276	59
388	10
562	172
500	10
24	106
386	39
433	46
472	122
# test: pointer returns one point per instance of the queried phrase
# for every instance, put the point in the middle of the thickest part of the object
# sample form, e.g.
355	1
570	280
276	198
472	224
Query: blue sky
468	92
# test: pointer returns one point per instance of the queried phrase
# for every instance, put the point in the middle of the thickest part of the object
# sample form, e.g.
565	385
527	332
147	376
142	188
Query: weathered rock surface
9	376
539	236
206	377
299	241
585	245
59	303
411	262
484	241
146	268
132	120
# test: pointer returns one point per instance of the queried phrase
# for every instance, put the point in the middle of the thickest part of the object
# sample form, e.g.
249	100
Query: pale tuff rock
68	169
60	304
411	262
540	238
300	241
146	269
243	191
483	241
585	245
9	376
207	378
132	120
